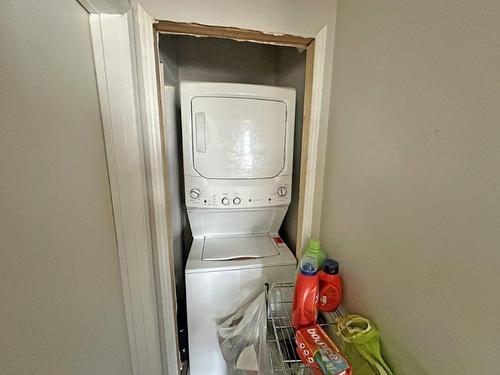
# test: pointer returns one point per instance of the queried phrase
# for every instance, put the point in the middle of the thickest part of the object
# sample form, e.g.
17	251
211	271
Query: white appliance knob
225	201
237	200
195	193
282	191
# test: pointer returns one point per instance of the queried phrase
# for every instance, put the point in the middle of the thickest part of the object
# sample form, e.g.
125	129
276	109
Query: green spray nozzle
314	244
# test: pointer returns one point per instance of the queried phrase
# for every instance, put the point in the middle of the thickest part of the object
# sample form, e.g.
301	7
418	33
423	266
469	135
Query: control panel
237	194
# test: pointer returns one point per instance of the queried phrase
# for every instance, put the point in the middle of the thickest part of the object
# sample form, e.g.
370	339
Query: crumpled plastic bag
245	332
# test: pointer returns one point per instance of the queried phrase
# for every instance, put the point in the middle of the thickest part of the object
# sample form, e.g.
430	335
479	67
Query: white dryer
238	151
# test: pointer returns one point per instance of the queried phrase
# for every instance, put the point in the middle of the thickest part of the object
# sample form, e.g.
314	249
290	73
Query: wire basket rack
281	335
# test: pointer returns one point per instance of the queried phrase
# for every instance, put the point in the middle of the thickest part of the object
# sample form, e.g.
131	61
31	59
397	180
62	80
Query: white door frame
124	53
316	123
126	76
157	172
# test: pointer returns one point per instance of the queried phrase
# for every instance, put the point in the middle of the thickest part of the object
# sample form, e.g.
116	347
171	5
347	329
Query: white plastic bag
242	339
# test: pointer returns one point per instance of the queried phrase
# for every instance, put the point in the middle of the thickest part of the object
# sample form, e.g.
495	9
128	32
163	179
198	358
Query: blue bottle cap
308	265
331	266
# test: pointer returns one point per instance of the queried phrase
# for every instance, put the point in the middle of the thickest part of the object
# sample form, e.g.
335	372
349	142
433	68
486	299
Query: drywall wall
291	72
298	17
224	60
106	6
173	149
181	234
61	309
411	196
167	47
178	216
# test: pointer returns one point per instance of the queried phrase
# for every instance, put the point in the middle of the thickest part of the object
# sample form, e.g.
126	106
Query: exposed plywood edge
196	29
306	130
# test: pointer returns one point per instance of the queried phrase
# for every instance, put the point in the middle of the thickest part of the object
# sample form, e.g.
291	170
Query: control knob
237	200
225	201
282	191
195	193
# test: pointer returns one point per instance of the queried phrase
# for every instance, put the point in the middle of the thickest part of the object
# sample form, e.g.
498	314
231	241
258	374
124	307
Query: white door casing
125	69
157	172
316	125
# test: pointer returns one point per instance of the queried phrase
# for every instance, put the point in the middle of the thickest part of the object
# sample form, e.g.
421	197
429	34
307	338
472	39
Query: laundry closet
185	58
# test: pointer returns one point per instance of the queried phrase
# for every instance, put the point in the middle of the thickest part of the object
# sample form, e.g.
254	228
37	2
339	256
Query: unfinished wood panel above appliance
235	33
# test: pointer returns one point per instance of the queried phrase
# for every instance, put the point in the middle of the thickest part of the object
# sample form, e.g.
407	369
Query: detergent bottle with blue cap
305	298
330	286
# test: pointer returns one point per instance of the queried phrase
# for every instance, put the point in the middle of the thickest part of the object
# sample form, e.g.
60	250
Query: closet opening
189	52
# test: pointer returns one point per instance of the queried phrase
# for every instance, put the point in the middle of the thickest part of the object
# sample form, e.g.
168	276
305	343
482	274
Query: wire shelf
281	335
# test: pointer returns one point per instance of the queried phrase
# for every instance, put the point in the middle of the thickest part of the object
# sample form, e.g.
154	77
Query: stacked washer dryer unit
238	150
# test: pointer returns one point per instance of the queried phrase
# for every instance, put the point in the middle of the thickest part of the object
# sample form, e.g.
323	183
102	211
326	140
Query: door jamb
312	124
151	110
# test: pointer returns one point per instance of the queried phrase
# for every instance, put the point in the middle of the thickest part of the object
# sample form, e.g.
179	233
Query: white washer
238	150
217	288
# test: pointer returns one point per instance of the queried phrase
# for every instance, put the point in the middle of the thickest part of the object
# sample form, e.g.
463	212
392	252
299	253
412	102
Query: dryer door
238	138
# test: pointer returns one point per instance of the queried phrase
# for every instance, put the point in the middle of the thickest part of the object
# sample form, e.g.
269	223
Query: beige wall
297	17
411	203
221	60
106	6
61	307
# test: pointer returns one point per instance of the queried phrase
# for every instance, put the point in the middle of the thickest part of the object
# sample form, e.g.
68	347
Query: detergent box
317	350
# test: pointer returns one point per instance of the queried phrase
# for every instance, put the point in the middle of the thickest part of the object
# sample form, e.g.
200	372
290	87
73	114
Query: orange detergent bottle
305	298
330	286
